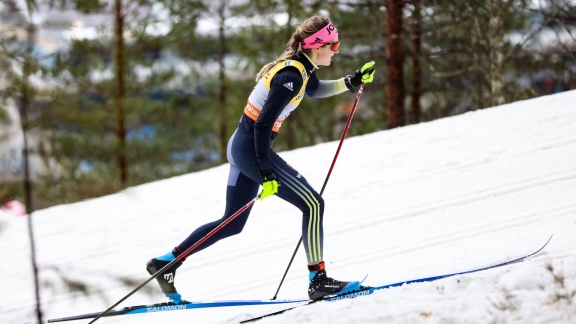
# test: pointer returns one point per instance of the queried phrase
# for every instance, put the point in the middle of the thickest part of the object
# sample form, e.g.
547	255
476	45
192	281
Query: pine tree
120	117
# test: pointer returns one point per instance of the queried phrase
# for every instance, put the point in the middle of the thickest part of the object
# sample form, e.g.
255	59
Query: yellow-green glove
365	74
269	184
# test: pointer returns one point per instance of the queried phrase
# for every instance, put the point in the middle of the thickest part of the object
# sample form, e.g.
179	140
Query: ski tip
545	244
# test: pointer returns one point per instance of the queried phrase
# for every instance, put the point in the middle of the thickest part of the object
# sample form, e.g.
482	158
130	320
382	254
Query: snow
418	201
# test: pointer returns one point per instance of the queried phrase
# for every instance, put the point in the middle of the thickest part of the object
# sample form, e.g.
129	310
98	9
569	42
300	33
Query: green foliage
180	106
162	141
4	119
83	6
167	129
10	190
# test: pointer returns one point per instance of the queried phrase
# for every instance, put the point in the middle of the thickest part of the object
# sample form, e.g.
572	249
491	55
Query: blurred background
100	95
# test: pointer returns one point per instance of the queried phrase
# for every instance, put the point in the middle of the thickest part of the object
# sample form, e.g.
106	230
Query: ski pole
325	181
182	255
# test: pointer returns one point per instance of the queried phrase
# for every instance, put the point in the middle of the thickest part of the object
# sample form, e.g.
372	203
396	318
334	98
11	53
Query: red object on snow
15	207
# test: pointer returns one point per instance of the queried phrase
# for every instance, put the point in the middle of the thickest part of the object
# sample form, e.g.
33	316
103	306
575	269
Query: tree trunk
122	159
478	44
26	96
496	57
223	128
395	53
416	65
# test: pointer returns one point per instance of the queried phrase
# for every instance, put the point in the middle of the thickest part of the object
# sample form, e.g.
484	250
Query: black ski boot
321	285
166	278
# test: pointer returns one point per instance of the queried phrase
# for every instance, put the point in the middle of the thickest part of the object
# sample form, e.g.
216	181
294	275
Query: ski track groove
434	172
462	200
459	234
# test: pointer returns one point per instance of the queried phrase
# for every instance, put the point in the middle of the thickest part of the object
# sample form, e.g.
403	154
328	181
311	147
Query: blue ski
370	290
164	307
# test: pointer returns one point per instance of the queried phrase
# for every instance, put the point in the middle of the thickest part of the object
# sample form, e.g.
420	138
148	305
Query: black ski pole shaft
325	181
181	256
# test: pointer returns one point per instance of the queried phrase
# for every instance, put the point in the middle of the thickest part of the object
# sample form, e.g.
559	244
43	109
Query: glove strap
348	83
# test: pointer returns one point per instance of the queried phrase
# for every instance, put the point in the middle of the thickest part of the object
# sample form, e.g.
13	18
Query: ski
370	290
165	307
294	303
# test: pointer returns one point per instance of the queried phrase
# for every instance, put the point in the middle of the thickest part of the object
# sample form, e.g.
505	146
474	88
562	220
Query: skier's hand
365	74
269	184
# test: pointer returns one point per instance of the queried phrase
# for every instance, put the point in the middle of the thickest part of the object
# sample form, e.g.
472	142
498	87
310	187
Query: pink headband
320	38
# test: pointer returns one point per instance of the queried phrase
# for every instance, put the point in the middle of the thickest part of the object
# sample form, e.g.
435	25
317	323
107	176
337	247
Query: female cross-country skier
280	87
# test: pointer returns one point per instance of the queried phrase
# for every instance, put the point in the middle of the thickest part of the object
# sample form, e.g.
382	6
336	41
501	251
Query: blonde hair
305	29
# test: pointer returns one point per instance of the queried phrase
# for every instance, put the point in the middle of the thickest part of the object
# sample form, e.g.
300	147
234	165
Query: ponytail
305	29
288	54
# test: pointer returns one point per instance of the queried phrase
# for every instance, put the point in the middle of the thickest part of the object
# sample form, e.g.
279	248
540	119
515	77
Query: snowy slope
418	201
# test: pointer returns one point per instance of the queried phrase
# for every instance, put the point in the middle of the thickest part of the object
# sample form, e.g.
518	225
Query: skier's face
325	53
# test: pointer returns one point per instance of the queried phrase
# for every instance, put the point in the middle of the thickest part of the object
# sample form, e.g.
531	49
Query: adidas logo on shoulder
289	86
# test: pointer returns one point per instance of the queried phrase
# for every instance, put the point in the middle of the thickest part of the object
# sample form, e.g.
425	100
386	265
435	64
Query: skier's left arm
325	88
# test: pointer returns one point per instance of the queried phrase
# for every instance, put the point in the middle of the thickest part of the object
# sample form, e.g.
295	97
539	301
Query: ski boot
321	285
166	278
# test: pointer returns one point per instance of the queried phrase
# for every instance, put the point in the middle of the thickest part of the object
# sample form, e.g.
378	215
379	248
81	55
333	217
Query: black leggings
243	184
